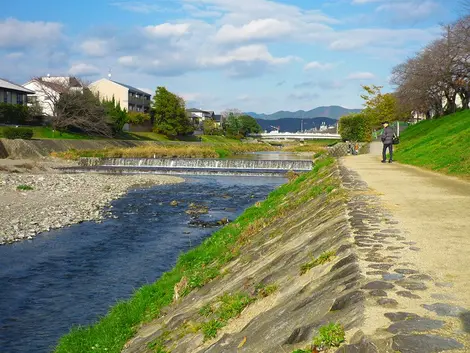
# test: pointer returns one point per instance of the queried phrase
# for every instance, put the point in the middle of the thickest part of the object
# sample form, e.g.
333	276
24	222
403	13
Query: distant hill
333	112
294	124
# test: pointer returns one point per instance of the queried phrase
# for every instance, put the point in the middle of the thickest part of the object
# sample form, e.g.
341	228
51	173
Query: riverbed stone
387	302
392	277
378	285
378	293
408	294
405	271
415	325
385	267
424	344
411	285
443	309
420	277
401	315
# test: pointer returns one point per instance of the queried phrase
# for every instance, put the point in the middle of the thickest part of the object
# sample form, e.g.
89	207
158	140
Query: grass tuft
331	335
24	188
322	259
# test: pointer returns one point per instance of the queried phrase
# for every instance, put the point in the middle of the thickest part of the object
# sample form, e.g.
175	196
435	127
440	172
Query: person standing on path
387	140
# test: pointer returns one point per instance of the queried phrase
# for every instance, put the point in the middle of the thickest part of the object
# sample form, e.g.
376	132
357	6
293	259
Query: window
19	98
7	97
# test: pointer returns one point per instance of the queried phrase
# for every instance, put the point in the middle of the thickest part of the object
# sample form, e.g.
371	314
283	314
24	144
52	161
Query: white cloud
127	60
262	29
95	47
304	96
166	30
16	34
83	69
365	1
410	10
315	65
245	54
361	76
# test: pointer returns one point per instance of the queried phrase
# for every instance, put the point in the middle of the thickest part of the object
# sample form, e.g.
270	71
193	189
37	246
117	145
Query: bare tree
431	82
232	111
72	106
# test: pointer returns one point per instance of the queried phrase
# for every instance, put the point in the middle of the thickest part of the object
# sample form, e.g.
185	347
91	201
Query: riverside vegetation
442	145
197	268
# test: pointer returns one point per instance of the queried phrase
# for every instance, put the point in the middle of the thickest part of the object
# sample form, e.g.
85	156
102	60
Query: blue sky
254	55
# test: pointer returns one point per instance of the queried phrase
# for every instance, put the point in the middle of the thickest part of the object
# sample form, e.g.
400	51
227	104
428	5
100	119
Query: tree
231	112
73	106
170	114
249	125
117	116
437	78
209	127
138	118
380	107
355	127
81	112
232	125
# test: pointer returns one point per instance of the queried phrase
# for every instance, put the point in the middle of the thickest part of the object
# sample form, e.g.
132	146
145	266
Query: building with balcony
132	99
11	93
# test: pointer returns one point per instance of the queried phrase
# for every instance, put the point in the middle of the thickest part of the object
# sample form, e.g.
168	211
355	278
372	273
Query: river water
72	276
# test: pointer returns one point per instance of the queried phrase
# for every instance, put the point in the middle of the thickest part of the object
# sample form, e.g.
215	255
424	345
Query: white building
48	89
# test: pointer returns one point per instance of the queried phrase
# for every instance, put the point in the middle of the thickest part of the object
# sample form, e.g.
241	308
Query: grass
322	259
200	265
227	307
24	188
165	151
331	335
441	145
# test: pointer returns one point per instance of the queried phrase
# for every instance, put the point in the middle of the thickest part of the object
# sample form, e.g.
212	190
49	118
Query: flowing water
73	275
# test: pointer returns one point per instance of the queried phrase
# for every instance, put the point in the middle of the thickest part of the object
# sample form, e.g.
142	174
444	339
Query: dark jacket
387	136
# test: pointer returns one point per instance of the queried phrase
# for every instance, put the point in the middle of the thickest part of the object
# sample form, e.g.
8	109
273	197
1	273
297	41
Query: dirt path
421	228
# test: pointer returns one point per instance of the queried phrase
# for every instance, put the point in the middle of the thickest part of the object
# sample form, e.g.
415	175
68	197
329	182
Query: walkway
413	229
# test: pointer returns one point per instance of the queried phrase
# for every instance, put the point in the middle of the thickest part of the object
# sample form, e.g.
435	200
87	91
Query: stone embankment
339	257
35	203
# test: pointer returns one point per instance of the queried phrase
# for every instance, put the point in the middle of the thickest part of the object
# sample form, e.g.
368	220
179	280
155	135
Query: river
72	276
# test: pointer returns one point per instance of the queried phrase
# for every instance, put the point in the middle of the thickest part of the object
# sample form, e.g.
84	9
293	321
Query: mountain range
332	112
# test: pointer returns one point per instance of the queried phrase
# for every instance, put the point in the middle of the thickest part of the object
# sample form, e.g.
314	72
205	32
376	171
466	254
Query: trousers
390	150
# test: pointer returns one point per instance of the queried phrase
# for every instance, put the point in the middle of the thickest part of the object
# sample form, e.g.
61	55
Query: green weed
322	259
331	335
24	188
264	291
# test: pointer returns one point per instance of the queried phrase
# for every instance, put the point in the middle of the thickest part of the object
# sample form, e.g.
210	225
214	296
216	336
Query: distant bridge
296	136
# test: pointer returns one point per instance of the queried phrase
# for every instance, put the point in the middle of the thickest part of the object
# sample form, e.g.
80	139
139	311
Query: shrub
18	133
13	113
331	335
24	188
355	127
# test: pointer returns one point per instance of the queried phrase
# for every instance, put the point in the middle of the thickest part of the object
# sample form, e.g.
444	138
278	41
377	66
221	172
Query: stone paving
406	310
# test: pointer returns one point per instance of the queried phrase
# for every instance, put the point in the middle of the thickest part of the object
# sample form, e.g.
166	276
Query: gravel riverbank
59	200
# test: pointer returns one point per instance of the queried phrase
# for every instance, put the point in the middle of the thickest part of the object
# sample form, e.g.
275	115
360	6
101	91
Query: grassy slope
441	145
199	265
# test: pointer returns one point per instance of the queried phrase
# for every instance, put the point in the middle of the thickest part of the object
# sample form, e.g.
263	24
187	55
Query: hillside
442	145
333	112
294	124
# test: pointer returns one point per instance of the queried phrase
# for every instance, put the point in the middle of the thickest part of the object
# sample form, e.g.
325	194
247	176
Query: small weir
195	166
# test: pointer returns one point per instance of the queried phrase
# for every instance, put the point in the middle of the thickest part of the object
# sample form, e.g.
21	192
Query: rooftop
13	86
132	88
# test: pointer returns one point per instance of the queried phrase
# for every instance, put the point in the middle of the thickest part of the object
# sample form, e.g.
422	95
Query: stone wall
341	149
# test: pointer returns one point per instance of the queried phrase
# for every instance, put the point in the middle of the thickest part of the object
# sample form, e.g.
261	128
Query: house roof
132	88
195	110
14	87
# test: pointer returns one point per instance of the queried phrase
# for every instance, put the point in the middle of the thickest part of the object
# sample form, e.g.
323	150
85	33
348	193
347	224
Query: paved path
412	229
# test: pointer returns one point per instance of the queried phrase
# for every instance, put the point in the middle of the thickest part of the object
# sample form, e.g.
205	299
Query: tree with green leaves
117	116
380	107
249	125
355	127
170	114
209	127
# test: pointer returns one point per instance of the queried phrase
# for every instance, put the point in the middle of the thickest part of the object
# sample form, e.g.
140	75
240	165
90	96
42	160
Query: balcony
139	101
